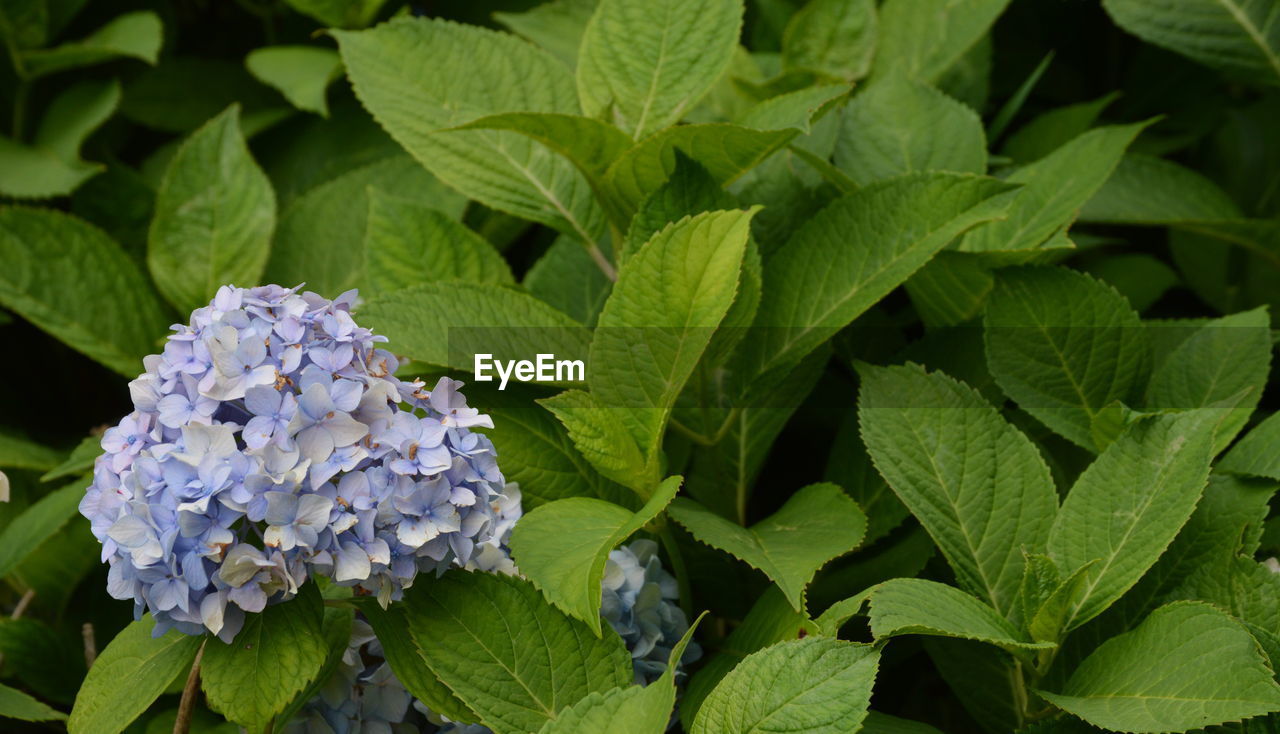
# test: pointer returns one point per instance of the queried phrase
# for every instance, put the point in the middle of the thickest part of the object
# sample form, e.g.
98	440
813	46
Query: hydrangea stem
187	706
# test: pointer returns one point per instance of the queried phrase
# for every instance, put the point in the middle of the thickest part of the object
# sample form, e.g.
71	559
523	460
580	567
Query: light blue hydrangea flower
270	441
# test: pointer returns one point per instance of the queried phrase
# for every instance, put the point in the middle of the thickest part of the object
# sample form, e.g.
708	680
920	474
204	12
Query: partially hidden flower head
271	440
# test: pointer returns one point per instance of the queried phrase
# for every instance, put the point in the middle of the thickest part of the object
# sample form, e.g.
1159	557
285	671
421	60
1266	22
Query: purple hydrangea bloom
271	441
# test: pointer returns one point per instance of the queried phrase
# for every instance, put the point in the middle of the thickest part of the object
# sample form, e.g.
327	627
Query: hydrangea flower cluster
364	696
271	440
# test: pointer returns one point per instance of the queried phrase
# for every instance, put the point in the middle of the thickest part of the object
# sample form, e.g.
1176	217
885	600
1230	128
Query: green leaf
514	659
799	109
818	523
1064	345
1239	36
600	434
52	165
926	38
567	278
300	73
134	658
1225	363
772	619
135	35
1126	508
15	704
1144	189
1054	189
320	237
271	660
644	63
161	98
817	685
878	723
689	190
834	38
27	172
392	629
71	280
419	76
1210	672
648	340
19	453
562	547
975	482
36	524
407	243
899	125
25	22
214	214
855	251
448	323
1258	453
1142	279
589	144
556	26
1054	129
920	607
339	13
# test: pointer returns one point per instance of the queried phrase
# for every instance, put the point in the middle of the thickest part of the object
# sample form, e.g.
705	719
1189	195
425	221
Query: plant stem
605	266
188	704
90	644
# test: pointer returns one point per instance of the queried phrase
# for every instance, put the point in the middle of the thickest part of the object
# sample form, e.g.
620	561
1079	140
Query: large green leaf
339	13
1144	189
835	38
899	125
407	243
600	435
321	235
300	73
921	607
1240	36
858	249
1258	453
668	301
73	281
1187	666
37	524
135	35
562	547
644	63
556	26
1064	345
817	685
214	214
818	523
419	76
1126	508
52	166
976	483
567	278
447	323
1054	189
145	664
926	38
273	658
15	704
514	659
19	453
1053	129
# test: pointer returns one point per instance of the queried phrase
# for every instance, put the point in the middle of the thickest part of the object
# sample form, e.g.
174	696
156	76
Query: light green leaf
644	63
589	144
339	13
1054	129
214	214
300	73
1126	508
648	339
818	523
817	685
15	704
1210	672
1144	189
320	237
1258	453
951	289
799	109
134	658
556	26
1240	36
1047	620
600	434
858	249
514	659
689	190
976	483
407	243
926	38
52	166
1055	187
37	524
420	76
70	279
921	607
562	547
1223	365
19	453
834	38
1064	345
772	619
899	125
448	323
27	172
135	35
271	660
